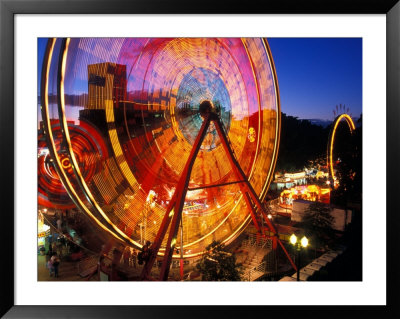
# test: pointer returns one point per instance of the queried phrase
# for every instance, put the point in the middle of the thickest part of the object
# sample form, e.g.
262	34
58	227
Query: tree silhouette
300	142
317	224
349	169
217	264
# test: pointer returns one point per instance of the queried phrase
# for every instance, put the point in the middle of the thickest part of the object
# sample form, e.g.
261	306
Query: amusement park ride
166	114
331	140
256	208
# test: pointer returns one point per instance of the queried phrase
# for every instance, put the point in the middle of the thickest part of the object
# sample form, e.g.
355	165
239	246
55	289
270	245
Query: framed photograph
150	91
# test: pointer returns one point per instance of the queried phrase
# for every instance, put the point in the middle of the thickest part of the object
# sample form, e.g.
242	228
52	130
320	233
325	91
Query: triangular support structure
173	213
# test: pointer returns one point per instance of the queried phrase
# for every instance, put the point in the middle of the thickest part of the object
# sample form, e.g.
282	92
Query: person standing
134	258
49	252
50	267
59	248
59	224
116	256
56	263
127	256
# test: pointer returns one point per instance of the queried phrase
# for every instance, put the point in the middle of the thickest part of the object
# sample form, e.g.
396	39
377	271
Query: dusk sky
314	75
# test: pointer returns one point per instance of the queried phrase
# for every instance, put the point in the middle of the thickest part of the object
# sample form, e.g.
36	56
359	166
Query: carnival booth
43	233
306	192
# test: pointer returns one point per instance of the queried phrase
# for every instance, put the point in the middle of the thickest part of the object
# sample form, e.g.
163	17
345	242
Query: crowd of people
129	257
63	245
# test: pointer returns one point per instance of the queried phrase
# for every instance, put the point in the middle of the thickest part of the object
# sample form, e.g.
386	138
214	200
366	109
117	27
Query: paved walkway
67	271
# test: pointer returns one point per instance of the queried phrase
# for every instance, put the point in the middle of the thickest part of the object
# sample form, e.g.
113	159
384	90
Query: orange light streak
352	127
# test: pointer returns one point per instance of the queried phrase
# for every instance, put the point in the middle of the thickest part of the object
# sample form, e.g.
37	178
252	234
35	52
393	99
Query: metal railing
255	272
255	256
254	242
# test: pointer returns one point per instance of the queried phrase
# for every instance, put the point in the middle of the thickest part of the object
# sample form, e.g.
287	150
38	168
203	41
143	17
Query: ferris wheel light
173	242
171	140
150	196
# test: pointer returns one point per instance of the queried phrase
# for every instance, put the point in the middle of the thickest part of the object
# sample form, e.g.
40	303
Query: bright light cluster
307	192
142	96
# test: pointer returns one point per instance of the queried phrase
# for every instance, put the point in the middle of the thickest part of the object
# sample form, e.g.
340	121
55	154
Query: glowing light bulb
304	241
293	239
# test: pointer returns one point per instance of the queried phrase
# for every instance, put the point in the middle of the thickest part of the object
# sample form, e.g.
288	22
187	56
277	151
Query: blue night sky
314	75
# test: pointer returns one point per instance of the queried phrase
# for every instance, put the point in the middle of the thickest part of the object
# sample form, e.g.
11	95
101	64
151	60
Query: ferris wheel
189	129
343	116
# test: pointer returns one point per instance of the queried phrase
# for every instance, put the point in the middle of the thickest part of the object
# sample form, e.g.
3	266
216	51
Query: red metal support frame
175	206
158	240
178	199
181	191
250	191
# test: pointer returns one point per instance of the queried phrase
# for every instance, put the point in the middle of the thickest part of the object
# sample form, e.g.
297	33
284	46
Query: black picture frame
8	10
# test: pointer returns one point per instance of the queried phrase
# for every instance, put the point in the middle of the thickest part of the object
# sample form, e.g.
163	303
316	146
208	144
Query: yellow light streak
116	146
259	109
68	184
278	121
352	127
238	217
77	171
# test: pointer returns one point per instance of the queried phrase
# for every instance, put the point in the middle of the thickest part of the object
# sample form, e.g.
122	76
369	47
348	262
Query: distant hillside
301	141
319	122
326	123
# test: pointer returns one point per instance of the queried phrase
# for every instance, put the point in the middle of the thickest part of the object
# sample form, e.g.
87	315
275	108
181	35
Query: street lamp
298	244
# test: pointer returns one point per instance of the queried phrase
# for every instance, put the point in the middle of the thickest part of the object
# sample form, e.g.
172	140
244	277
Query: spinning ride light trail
173	214
87	146
331	141
143	96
